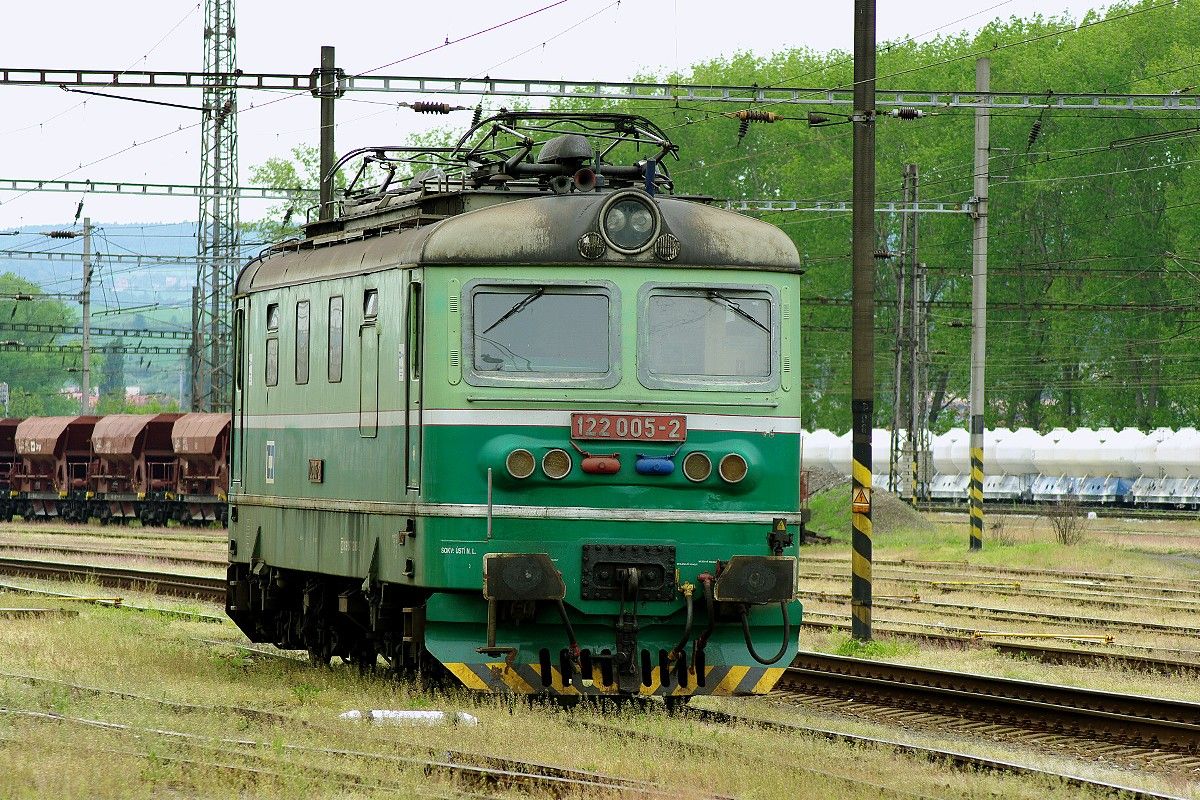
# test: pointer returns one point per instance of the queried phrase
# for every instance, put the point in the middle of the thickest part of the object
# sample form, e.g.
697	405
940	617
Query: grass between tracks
1169	548
1161	549
158	657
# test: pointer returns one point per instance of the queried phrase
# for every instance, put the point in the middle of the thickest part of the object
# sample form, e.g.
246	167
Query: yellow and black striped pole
860	541
862	311
976	490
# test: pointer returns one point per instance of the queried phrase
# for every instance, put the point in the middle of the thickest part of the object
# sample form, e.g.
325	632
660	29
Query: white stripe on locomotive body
480	510
467	417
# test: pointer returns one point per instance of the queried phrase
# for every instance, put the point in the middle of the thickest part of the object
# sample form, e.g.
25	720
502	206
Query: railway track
157	582
1127	730
1147	733
1046	653
114	552
213	589
957	758
464	768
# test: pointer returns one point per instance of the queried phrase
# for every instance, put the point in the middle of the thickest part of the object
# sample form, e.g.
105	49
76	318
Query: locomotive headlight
732	468
520	463
556	463
629	223
697	467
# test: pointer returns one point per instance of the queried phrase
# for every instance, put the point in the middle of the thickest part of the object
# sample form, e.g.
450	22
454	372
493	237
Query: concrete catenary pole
979	300
85	299
862	333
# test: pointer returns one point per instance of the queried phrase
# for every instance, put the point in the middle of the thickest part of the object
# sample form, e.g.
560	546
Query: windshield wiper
721	299
520	306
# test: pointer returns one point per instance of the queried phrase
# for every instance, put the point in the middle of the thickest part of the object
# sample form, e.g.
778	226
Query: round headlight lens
732	468
630	224
641	220
615	221
520	463
556	463
697	467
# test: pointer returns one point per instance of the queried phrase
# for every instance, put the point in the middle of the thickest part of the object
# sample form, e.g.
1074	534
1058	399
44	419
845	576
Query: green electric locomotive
516	413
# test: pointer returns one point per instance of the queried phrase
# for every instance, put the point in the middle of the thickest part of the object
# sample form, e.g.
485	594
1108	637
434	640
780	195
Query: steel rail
1011	615
472	769
178	560
1154	723
939	755
1116	577
1096	597
1045	653
165	583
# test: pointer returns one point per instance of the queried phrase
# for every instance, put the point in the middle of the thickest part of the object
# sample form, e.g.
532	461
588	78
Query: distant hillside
114	285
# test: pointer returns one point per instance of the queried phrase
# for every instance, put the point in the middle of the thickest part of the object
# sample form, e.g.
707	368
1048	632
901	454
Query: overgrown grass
160	658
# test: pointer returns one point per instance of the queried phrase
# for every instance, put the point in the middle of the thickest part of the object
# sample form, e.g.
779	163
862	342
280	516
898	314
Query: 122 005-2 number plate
635	427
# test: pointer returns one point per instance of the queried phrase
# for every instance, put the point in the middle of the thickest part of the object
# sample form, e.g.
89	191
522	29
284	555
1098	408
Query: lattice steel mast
218	246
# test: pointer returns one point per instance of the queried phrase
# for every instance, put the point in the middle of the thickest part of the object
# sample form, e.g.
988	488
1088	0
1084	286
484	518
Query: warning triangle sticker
860	497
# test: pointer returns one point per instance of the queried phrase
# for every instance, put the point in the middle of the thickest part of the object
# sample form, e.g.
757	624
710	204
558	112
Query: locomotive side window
302	340
335	339
273	317
708	337
414	331
371	303
563	335
272	362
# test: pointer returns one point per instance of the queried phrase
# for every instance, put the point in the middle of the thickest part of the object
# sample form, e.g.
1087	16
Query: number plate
632	427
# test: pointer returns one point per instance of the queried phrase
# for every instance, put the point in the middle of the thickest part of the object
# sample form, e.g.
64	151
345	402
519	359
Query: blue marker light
654	465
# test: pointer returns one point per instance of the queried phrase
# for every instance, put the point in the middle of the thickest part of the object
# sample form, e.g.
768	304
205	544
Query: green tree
35	379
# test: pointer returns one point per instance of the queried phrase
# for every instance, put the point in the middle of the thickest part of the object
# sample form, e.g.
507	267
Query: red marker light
601	465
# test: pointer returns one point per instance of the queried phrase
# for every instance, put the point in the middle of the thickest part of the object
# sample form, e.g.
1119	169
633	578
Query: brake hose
787	635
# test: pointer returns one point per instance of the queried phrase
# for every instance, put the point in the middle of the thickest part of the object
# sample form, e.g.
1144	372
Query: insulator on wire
748	115
430	107
755	115
907	113
478	115
1035	131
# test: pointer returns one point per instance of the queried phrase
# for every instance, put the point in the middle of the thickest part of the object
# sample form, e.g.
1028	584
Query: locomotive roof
542	229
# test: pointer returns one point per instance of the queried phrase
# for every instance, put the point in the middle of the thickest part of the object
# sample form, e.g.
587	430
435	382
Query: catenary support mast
979	302
862	336
218	245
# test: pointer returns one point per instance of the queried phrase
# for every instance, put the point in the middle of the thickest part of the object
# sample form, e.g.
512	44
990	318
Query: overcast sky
47	133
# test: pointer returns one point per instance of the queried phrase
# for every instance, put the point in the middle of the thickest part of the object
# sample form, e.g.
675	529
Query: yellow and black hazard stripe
976	489
501	677
860	566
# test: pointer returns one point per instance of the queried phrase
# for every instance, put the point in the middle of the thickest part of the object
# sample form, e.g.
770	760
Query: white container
814	453
1146	457
1013	455
1179	456
1047	457
960	455
841	452
942	445
1119	453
